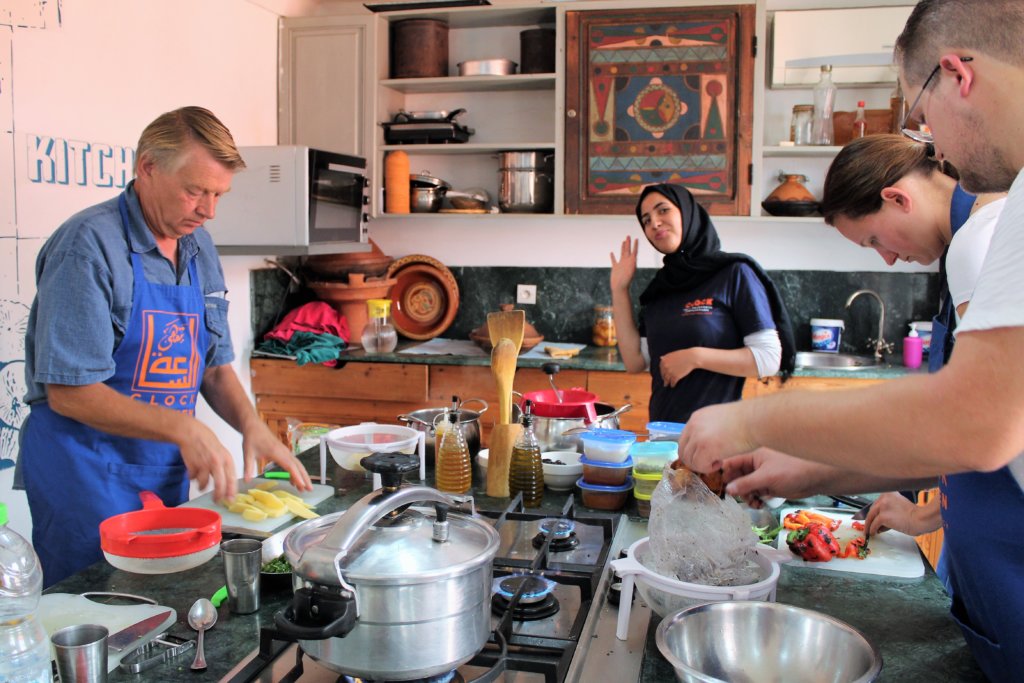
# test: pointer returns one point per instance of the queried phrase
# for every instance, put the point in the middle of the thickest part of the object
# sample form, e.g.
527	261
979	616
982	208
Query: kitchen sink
835	361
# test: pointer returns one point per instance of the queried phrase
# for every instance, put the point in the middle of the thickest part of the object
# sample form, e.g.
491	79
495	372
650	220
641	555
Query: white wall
96	72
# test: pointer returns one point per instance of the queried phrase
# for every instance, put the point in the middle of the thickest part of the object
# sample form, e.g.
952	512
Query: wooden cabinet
325	88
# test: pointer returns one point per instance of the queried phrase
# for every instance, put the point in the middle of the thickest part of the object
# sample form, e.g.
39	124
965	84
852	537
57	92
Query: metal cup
243	558
81	653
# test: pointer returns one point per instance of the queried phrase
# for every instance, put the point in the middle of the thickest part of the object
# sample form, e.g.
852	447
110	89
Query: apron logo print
703	306
168	357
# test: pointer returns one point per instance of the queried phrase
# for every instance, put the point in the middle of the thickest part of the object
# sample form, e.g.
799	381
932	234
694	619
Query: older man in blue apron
128	327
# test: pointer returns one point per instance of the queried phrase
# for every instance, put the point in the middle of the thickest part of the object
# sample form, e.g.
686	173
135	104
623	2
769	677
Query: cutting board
57	610
234	523
892	553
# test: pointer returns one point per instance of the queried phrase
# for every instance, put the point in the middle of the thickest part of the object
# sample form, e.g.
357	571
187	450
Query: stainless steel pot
426	199
526	181
551	431
426	421
384	591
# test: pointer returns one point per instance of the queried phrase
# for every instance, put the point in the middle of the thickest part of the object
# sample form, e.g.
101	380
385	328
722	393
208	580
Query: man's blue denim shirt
84	288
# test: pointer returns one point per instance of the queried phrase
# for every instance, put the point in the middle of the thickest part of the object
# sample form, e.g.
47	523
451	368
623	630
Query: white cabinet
507	113
325	89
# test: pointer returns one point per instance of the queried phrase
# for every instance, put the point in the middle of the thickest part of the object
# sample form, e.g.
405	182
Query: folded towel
316	317
307	347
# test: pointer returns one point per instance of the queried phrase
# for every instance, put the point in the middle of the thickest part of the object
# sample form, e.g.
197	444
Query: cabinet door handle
571	113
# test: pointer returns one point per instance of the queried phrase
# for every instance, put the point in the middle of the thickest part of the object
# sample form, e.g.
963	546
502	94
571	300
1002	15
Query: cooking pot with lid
563	433
427	419
360	610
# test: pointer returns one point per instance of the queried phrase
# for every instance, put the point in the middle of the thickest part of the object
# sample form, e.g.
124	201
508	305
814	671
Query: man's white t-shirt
998	299
967	252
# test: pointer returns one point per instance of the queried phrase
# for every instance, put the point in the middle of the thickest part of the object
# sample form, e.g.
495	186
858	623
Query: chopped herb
279	565
767	534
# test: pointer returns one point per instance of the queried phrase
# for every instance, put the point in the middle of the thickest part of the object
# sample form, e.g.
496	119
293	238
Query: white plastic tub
349	445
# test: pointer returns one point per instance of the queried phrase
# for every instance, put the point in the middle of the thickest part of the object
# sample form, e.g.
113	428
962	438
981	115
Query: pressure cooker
388	590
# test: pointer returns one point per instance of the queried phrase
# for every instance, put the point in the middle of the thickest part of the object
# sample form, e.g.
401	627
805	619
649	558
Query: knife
130	634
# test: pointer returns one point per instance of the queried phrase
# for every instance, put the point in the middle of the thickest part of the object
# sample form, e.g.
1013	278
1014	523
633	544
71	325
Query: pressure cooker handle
316	615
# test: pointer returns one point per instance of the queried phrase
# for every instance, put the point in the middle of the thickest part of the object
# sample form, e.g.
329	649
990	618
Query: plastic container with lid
605	497
24	648
645	483
650	457
605	473
611	445
826	334
643	503
664	431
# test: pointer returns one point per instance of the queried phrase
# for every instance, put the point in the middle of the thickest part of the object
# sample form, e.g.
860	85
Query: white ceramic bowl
556	477
561	477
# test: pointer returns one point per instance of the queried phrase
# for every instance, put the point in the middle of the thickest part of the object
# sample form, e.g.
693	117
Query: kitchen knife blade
862	513
130	634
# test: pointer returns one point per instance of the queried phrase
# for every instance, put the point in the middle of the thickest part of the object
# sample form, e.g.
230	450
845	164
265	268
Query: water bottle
24	647
824	103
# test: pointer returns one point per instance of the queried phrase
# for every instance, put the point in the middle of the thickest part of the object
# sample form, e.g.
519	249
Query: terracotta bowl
338	266
483	340
425	296
350	299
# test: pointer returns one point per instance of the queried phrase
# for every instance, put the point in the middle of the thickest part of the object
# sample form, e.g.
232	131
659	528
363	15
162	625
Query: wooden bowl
425	296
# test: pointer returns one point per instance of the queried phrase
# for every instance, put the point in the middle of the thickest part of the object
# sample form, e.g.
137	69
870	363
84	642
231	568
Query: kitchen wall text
64	162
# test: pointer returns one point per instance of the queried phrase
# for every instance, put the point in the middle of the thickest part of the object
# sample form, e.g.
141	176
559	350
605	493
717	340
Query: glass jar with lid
604	327
379	335
800	126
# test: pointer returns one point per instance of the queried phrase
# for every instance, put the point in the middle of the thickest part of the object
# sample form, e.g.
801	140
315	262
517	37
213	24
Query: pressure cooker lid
398	548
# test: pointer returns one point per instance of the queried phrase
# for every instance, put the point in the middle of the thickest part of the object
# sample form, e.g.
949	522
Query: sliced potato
299	508
265	485
239	508
254	515
267	501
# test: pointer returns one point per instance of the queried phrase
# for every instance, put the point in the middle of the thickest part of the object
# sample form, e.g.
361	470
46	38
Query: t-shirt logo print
703	306
168	357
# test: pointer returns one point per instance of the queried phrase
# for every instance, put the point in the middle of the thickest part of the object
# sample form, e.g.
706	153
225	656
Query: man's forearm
112	412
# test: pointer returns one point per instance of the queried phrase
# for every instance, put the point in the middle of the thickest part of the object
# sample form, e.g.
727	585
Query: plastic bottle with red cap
860	121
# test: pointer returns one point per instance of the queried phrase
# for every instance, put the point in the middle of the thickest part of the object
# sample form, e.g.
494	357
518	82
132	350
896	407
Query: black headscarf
700	256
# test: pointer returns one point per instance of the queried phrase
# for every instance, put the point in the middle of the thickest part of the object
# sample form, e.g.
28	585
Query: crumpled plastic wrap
697	537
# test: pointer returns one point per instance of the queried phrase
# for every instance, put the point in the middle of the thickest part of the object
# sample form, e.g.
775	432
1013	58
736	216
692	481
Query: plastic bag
697	537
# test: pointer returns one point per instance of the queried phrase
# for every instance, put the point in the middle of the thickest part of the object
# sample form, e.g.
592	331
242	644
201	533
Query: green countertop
908	620
599	358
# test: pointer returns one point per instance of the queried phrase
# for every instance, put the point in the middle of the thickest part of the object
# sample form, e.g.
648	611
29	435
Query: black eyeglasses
917	135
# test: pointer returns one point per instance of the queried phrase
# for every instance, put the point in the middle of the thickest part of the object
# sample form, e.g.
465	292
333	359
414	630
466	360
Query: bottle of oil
525	470
454	473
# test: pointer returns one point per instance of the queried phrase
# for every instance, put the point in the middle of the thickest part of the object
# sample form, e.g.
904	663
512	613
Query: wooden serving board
234	523
57	610
892	553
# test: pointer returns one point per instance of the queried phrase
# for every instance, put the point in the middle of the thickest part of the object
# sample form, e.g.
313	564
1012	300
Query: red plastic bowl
575	403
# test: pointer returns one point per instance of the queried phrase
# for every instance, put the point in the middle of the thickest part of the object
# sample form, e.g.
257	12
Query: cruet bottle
379	335
454	473
525	470
824	103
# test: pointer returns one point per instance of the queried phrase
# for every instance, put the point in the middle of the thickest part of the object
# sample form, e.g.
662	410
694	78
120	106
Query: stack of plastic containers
649	459
664	431
606	483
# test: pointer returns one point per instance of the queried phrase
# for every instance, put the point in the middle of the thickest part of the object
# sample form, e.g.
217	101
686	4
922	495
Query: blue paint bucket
826	334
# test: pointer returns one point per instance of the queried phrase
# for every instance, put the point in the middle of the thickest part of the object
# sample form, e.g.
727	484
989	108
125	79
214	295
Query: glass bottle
379	335
604	327
454	473
897	109
525	470
24	647
824	104
860	121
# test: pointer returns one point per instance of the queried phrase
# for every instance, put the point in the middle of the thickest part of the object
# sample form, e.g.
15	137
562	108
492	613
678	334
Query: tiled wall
566	297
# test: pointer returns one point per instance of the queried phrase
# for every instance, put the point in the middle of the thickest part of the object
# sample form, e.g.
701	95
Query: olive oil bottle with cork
454	470
525	470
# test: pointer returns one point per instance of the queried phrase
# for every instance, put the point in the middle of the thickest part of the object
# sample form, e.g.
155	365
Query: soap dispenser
913	347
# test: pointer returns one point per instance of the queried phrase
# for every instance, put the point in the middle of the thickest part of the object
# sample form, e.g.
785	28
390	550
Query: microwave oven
294	200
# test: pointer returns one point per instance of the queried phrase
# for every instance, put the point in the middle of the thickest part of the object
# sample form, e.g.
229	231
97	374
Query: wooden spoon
499	457
503	368
507	324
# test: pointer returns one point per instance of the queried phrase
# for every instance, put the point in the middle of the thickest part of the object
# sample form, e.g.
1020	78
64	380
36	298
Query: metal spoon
201	616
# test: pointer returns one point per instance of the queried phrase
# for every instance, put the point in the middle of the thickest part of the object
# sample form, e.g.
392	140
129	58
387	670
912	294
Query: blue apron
984	551
77	476
944	323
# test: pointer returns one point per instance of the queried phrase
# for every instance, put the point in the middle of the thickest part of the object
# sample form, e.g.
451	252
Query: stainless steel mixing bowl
766	642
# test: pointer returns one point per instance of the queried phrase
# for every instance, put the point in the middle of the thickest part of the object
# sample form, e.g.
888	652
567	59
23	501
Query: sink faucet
879	344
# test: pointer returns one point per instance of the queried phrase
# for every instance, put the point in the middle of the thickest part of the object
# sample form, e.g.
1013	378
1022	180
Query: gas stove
547	576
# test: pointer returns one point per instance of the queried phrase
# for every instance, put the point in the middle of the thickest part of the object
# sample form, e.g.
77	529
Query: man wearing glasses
964	424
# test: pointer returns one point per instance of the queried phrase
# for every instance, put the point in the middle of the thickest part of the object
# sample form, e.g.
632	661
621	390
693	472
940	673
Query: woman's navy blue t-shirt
718	314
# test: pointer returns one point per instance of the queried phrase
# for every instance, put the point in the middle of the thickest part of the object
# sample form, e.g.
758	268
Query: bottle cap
378	308
913	330
860	103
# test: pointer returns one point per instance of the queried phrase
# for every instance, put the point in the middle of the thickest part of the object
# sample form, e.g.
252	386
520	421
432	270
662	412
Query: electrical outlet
526	294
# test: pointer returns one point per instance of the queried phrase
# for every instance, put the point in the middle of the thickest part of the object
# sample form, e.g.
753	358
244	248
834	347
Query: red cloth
316	317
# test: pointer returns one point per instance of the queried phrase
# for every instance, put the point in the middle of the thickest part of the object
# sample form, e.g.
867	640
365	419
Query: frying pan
158	539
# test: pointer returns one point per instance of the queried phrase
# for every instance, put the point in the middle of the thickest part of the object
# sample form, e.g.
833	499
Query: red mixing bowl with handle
158	539
575	403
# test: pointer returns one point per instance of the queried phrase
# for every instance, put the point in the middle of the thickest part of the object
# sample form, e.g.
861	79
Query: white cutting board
235	523
892	553
57	610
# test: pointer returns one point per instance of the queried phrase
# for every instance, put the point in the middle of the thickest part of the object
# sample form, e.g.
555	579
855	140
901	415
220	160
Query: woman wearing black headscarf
708	320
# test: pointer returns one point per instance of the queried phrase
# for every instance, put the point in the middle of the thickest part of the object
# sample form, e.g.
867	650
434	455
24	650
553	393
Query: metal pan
158	539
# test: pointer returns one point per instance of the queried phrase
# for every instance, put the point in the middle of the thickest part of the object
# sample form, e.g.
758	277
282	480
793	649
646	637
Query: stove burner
535	602
450	677
563	536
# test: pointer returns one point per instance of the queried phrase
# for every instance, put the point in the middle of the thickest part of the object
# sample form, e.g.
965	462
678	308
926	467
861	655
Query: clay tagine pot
373	263
791	198
531	337
350	299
